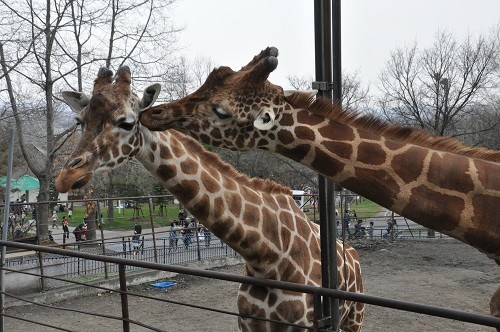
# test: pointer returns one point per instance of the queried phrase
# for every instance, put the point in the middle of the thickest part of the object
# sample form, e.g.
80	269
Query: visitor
101	222
182	216
136	243
207	235
84	231
54	219
370	230
77	232
172	236
65	227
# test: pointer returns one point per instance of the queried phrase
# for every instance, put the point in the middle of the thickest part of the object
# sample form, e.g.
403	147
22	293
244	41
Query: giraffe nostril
77	162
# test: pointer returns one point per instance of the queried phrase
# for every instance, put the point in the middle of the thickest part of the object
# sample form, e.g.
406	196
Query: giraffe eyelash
220	113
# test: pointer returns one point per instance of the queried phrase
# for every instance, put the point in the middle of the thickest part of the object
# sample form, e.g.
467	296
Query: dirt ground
442	272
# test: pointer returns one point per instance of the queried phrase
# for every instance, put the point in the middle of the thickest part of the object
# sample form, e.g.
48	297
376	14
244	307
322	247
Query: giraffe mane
323	107
210	158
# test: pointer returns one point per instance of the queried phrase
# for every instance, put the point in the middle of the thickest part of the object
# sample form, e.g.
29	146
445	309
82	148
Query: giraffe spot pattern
409	165
342	149
340	131
450	172
443	217
386	186
166	172
252	215
488	175
286	137
210	184
189	166
371	154
309	119
290	310
250	239
202	208
234	203
324	165
305	133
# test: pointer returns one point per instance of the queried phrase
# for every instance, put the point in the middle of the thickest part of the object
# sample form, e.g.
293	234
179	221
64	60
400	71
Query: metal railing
317	292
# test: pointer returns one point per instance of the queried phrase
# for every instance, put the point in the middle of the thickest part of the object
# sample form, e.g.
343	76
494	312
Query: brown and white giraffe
434	181
257	218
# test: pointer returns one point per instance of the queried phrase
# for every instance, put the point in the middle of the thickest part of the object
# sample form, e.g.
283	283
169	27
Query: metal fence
163	249
125	265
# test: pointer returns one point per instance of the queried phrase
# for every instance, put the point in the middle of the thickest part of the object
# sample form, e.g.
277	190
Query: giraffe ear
265	120
76	100
149	96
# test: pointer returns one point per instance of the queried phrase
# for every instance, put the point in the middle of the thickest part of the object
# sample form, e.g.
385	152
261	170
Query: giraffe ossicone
436	182
258	218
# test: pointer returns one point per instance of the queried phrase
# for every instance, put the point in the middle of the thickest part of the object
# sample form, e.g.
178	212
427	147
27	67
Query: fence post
152	229
196	233
101	227
124	298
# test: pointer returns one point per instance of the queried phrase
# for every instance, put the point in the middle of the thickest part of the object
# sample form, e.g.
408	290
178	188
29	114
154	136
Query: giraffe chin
65	182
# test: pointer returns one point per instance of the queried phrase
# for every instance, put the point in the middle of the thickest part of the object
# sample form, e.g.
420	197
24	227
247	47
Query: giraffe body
434	181
257	218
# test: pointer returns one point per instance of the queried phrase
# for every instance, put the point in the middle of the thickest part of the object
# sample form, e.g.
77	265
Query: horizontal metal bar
357	297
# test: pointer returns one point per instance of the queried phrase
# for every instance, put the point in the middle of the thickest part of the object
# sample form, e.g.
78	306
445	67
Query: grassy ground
365	209
127	218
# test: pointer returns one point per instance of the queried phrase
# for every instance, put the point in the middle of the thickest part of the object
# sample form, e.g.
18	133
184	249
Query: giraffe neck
448	192
261	223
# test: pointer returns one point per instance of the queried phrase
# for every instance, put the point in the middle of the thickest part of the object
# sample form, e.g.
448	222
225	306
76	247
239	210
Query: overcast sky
231	32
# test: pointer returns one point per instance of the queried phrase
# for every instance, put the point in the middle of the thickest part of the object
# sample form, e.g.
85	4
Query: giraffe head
109	124
230	109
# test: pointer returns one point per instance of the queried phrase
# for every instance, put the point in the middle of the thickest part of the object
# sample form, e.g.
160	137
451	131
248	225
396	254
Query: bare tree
201	66
355	95
50	46
435	87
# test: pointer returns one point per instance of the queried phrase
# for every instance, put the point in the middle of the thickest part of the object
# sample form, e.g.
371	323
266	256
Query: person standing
370	230
182	216
54	219
136	242
84	232
70	213
172	237
65	227
78	232
101	222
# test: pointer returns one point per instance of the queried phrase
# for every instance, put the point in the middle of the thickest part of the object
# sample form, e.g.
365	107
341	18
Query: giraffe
435	181
258	218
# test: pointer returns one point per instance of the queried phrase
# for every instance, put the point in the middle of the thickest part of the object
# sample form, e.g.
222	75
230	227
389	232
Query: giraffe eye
220	112
126	125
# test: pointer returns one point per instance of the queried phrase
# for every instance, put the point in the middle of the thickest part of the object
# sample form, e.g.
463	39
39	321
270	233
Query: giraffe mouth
67	181
81	181
154	121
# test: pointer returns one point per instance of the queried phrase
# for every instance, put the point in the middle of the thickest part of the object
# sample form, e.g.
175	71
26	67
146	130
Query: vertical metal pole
103	243
124	298
337	100
6	223
325	57
152	229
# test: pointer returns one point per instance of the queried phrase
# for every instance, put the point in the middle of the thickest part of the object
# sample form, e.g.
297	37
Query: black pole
324	78
337	100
